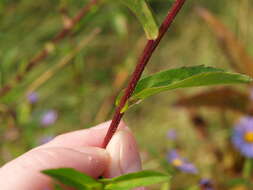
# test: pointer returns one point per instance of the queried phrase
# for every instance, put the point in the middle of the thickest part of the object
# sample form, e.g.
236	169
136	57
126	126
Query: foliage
81	88
145	15
81	181
184	77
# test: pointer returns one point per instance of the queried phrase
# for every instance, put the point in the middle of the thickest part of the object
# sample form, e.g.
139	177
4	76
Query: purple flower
172	134
181	163
243	136
45	139
33	97
206	184
49	118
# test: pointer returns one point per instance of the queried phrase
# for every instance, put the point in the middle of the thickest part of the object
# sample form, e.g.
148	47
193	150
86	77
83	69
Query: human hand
80	150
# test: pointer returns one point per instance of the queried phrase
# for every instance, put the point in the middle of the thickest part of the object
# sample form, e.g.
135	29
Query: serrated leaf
184	77
73	178
145	15
133	180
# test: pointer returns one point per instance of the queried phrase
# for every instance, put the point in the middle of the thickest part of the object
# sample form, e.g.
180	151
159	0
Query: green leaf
184	77
132	180
239	181
145	15
57	187
165	186
73	178
195	187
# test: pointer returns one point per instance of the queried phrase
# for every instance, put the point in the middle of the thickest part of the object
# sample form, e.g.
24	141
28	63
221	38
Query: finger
24	172
87	137
124	154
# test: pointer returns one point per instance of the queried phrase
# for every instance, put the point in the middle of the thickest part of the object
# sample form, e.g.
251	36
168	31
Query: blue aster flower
206	184
45	139
243	136
32	97
172	134
181	163
49	118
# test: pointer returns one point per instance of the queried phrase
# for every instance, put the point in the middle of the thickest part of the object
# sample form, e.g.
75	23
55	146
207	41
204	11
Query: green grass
78	90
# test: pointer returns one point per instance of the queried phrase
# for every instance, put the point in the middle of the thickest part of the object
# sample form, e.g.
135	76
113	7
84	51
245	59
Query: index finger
93	136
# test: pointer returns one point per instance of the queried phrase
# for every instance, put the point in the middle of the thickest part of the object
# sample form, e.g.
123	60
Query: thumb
24	172
124	154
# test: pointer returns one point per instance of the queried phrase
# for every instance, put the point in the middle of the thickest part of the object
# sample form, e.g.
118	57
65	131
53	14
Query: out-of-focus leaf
225	98
120	23
232	47
73	178
194	188
132	180
57	187
145	15
184	77
165	186
24	112
239	182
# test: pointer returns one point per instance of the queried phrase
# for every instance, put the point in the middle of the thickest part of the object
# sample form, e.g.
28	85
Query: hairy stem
43	54
143	60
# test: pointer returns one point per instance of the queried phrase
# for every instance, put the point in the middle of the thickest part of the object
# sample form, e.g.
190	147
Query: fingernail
123	153
130	158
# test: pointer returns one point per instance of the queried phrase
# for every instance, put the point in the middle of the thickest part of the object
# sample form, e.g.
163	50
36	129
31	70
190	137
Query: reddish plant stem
43	54
144	58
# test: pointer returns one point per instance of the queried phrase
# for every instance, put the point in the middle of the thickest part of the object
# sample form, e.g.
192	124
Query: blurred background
70	82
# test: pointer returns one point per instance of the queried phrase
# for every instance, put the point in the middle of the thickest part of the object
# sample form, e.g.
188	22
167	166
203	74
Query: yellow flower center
177	162
248	137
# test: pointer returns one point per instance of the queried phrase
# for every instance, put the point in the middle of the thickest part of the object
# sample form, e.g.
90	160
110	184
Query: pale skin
80	150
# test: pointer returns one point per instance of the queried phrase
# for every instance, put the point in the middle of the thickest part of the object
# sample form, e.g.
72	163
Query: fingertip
106	125
95	153
122	124
93	136
124	154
